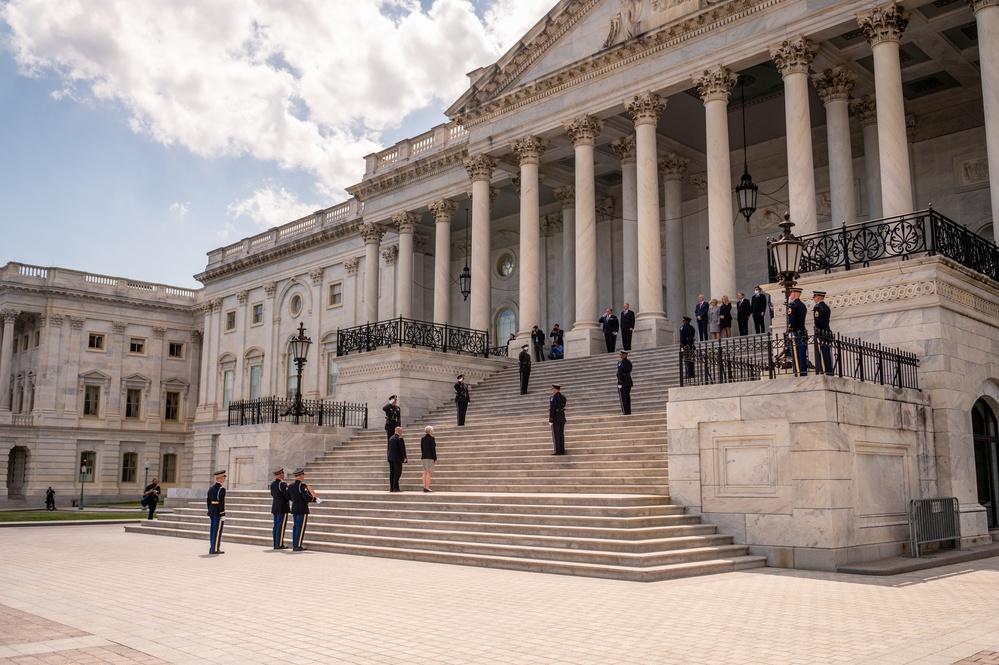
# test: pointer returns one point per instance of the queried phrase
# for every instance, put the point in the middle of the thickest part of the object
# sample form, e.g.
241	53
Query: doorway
986	434
17	472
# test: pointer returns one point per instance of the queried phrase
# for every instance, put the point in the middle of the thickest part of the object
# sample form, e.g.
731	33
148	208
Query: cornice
442	162
50	291
482	107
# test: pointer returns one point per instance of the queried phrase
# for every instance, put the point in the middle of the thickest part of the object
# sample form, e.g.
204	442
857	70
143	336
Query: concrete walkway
99	595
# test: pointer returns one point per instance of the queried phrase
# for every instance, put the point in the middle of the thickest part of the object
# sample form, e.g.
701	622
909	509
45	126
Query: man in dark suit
687	337
280	507
701	313
396	458
627	326
538	341
609	326
797	335
525	368
216	513
742	311
556	418
461	399
823	333
759	305
393	416
301	496
624	382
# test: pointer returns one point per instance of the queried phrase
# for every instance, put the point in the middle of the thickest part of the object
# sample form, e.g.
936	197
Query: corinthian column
529	150
671	169
480	171
834	86
584	339
793	58
8	317
883	27
406	223
443	210
866	111
567	197
372	239
624	148
987	19
714	87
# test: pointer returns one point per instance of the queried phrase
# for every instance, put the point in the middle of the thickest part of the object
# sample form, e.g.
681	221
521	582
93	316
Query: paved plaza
94	594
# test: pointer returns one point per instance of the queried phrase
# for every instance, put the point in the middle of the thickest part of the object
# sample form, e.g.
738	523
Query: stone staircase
501	499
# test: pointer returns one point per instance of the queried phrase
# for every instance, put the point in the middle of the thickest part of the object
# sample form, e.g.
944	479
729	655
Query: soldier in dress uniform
823	334
216	513
687	337
461	399
301	496
796	333
280	507
556	417
624	382
525	368
393	416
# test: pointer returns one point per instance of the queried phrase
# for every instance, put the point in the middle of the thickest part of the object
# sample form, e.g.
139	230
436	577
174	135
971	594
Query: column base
583	342
652	333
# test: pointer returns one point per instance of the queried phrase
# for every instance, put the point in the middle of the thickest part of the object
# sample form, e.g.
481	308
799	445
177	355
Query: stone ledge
896	565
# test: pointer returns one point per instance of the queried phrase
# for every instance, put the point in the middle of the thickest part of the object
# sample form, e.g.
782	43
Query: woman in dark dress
725	317
152	495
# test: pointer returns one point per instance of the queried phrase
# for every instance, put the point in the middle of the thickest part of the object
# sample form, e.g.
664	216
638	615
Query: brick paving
99	595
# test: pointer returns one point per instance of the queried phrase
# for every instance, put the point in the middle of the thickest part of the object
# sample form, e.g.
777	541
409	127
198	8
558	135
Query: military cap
279	472
796	290
220	474
821	294
686	319
524	348
556	386
299	472
392	398
623	352
461	376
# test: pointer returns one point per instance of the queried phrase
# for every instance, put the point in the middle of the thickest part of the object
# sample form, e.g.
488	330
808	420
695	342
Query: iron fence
409	332
278	410
502	351
767	356
923	232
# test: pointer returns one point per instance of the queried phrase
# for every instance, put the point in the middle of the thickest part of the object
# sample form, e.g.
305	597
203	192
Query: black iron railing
503	351
923	232
278	410
757	357
408	332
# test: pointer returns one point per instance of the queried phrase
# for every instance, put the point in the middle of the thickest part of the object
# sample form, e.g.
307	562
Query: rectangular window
95	341
92	401
336	294
227	380
25	345
258	313
169	468
137	346
230	320
172	411
133	400
38	338
255	382
176	350
129	467
88	459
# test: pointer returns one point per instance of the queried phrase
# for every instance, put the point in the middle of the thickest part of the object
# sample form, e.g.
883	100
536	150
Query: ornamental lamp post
300	352
146	482
83	476
787	250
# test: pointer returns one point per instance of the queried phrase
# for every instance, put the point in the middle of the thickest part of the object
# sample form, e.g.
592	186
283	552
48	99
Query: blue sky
139	136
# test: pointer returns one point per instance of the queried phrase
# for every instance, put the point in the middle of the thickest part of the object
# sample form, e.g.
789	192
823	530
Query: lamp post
83	477
146	481
300	352
786	251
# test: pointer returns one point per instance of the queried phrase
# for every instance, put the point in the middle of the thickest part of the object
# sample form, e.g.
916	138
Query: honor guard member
301	496
525	368
556	417
280	507
687	337
393	416
216	513
823	333
796	333
461	399
624	382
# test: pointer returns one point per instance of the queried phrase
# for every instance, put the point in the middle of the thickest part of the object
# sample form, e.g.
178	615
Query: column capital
646	108
241	296
9	315
583	130
715	84
405	222
215	304
793	56
159	332
566	196
351	265
982	4
372	233
529	149
672	167
270	288
316	275
390	254
866	110
480	167
624	148
883	24
443	210
834	84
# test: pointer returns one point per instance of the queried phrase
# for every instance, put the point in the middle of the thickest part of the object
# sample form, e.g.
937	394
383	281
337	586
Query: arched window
506	324
986	433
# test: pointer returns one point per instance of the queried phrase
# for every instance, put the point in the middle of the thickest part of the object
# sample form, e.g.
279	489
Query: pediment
95	376
175	383
135	380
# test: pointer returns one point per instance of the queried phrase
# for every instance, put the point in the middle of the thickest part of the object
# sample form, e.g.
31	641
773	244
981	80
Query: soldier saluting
525	368
461	399
393	416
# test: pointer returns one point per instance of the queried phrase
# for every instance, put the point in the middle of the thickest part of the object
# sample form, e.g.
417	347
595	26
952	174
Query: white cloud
306	85
269	206
180	208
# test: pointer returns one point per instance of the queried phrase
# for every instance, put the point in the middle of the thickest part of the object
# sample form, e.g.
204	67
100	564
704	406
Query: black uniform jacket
280	497
556	408
300	498
216	500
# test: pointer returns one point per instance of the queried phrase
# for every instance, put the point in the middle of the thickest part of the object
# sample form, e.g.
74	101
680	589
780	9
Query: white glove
318	500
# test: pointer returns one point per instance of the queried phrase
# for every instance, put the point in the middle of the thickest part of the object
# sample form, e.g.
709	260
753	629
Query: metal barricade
933	521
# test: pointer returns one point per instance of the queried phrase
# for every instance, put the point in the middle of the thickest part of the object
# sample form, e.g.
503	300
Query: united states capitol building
595	164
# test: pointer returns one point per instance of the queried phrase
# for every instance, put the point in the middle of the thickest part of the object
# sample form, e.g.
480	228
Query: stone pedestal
653	332
582	342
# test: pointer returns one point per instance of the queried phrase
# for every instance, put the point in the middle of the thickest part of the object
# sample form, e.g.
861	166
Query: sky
138	135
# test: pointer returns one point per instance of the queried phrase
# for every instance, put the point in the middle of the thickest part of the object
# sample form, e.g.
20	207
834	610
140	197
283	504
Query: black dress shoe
219	552
300	549
281	547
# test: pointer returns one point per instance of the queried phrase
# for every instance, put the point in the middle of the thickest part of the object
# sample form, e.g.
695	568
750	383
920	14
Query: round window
296	305
505	265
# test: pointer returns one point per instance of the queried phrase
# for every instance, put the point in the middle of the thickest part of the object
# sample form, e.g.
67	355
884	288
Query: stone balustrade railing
438	138
14	273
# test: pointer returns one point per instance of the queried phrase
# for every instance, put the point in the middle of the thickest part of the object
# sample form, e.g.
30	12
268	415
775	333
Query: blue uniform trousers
823	357
280	522
215	542
799	355
298	530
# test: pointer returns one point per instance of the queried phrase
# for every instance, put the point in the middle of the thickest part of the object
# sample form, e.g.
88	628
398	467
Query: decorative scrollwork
408	332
